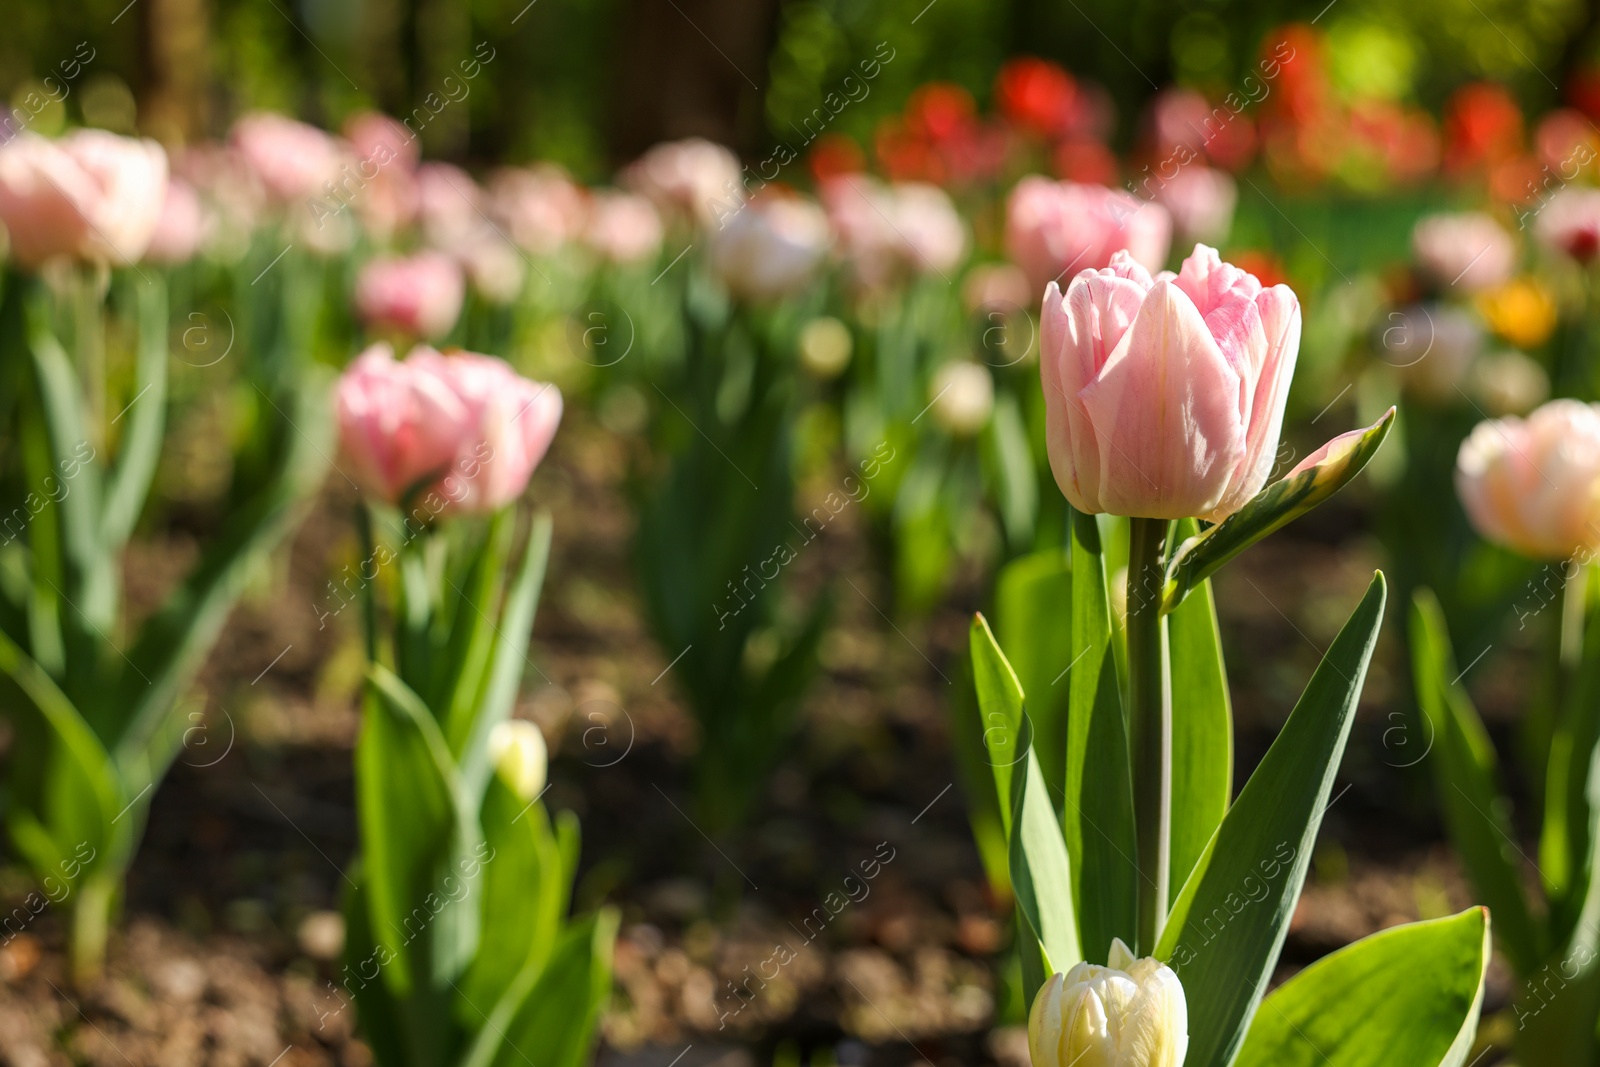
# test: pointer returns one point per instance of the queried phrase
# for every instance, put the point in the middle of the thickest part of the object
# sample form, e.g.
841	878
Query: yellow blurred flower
1522	311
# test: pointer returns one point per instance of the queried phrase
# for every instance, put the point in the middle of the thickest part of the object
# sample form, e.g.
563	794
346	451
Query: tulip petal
1279	319
1166	411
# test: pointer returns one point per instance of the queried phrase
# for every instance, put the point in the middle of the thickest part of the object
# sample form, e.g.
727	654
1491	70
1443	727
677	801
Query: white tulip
1129	1014
518	752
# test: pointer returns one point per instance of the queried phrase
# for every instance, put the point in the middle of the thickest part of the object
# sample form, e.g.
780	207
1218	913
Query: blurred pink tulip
1570	223
92	195
181	228
1533	484
1164	396
493	264
294	161
770	248
1467	250
888	230
996	286
463	426
401	425
420	295
1200	200
382	184
693	179
1054	227
449	203
623	227
541	208
513	421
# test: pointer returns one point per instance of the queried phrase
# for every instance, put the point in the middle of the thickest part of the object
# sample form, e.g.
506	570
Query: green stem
1150	720
91	925
1572	605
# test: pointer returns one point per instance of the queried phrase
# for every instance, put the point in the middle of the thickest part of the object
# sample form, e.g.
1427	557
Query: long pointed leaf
129	482
1097	814
1041	875
1229	923
1464	769
1406	997
1202	731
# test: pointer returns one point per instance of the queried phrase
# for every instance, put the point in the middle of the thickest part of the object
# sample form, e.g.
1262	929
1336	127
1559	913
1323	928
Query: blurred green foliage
552	90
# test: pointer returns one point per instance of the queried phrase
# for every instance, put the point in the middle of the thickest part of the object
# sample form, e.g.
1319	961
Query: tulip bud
1468	250
517	749
825	346
1509	383
771	248
1129	1014
963	398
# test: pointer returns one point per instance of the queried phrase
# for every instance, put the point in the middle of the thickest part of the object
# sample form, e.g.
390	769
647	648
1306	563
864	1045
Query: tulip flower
181	228
996	285
1164	396
1570	223
418	295
383	182
1131	1013
464	425
1509	383
449	204
623	227
1533	484
692	178
771	247
962	397
1522	311
540	207
1467	250
1055	227
888	230
520	757
1201	202
91	195
293	161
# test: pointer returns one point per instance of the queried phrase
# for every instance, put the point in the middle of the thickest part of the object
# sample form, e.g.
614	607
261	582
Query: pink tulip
464	427
382	182
623	227
1201	201
541	208
1055	227
771	248
513	421
1164	397
293	161
401	425
1467	250
1533	484
693	179
181	228
92	195
450	204
420	295
1570	223
232	192
492	264
885	231
996	286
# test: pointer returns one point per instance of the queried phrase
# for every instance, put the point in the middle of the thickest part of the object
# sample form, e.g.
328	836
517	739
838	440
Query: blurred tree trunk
691	68
174	106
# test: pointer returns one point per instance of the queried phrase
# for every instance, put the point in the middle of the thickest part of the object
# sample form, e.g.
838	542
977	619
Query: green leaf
524	891
510	657
129	483
1406	997
1098	803
173	643
550	1014
1202	731
1041	875
1229	923
1568	852
1465	772
1030	595
472	631
1000	711
1016	481
82	794
405	788
1275	506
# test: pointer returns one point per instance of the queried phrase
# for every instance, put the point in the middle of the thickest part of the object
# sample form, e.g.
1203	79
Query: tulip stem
1150	719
